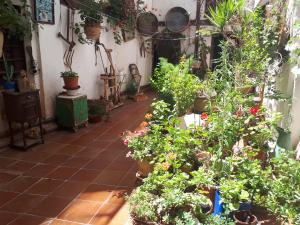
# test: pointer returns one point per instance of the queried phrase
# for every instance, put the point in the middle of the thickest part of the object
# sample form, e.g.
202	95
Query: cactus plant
9	71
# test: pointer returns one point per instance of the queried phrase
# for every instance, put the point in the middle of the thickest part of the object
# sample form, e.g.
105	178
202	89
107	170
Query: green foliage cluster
191	163
17	22
177	82
9	71
69	74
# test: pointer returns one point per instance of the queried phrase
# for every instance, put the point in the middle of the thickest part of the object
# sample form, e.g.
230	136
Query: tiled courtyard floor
74	178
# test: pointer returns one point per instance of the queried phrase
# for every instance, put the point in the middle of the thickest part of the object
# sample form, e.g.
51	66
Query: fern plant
9	71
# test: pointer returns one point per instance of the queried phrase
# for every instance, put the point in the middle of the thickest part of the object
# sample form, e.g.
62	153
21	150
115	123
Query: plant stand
72	111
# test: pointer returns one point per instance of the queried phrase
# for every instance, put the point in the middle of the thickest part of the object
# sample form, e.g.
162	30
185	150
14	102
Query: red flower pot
71	83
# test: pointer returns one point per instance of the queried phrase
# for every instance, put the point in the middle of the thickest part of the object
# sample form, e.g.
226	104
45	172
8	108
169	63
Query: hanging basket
92	30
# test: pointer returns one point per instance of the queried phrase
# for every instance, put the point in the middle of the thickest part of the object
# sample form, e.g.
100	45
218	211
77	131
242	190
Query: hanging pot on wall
92	30
177	19
147	24
1	43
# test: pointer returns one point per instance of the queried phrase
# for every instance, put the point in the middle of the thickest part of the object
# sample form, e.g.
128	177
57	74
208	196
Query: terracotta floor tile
80	211
57	159
21	166
98	143
129	180
7	217
36	156
31	220
108	155
6	177
85	175
50	207
13	154
89	152
108	177
70	150
5	162
50	147
63	222
44	187
83	141
41	170
62	173
119	195
97	164
23	203
106	214
76	162
120	166
97	193
6	197
20	184
69	189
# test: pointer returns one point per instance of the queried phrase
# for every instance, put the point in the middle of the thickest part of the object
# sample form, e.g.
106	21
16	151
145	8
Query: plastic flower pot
9	86
244	217
218	205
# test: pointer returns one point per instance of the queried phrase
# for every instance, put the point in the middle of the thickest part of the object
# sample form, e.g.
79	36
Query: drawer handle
29	97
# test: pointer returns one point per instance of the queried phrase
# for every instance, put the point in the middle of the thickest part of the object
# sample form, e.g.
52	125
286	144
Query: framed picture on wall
44	11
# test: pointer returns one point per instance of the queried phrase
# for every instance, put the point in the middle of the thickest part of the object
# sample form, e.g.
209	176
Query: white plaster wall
48	51
52	51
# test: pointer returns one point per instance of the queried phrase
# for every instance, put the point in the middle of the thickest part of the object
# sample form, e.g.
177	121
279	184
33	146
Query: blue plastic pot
218	205
9	86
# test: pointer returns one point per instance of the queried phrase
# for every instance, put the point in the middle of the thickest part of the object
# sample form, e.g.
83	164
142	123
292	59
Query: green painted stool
72	111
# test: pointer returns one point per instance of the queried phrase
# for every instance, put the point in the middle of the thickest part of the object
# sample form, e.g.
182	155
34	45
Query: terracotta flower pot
200	104
246	90
92	31
244	218
71	83
144	167
136	221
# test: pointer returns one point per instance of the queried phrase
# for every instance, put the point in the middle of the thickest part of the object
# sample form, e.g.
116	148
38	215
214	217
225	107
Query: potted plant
9	84
91	15
15	23
244	218
143	207
96	111
70	80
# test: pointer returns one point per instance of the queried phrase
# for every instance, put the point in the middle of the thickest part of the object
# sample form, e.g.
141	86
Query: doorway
166	46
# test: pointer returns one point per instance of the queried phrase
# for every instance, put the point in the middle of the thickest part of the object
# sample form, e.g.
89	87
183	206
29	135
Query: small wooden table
23	108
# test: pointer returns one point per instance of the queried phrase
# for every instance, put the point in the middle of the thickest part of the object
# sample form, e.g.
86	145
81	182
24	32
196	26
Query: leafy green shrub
177	82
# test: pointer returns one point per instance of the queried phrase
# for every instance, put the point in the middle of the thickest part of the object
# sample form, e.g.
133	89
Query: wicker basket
92	31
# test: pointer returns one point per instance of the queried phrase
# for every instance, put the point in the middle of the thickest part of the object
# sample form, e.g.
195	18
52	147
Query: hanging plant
15	21
91	16
121	15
